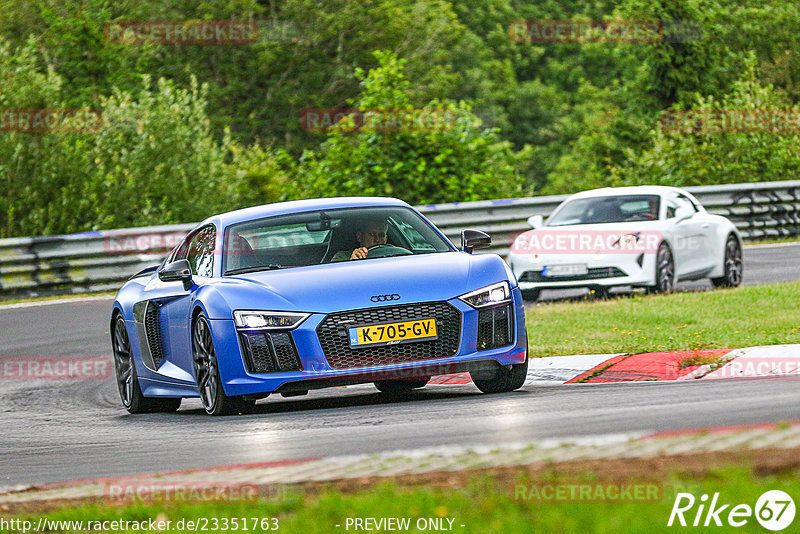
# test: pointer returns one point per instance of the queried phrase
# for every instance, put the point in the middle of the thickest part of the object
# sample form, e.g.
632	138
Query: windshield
611	209
328	236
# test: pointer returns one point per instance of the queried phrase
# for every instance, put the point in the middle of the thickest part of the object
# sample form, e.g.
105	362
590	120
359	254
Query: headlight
487	296
268	320
626	241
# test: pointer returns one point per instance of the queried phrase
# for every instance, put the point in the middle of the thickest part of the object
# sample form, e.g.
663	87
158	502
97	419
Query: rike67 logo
774	510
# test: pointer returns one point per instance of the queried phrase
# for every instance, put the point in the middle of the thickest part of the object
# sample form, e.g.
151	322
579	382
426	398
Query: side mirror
535	221
683	213
472	239
177	271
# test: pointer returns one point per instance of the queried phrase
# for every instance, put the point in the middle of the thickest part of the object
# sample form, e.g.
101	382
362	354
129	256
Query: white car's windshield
610	209
327	236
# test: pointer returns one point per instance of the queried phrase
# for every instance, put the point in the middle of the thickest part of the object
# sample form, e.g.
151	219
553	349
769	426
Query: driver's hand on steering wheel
359	253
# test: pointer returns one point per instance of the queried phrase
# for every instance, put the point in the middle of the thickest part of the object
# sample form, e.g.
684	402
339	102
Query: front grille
269	352
333	335
593	274
152	327
495	327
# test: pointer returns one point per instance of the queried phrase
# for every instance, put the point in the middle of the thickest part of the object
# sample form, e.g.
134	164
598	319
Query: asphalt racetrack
58	430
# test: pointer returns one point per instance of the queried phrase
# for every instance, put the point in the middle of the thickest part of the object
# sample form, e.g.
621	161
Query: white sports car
643	236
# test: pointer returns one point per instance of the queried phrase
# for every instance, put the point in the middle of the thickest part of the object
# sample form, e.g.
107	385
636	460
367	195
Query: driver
370	234
653	209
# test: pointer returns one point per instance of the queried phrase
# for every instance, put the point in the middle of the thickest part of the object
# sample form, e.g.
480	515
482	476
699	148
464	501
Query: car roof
299	206
630	190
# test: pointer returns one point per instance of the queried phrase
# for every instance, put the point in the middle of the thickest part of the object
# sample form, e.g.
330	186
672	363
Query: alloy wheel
205	363
123	362
665	270
733	262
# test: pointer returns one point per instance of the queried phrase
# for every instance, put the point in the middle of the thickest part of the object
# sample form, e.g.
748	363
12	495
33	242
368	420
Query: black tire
504	380
206	372
665	271
733	265
130	392
601	293
531	294
400	386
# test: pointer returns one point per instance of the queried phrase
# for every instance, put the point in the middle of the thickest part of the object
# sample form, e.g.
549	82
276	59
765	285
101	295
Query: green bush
713	157
152	160
459	161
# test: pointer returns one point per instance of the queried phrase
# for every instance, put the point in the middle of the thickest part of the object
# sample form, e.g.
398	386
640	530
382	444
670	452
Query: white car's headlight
627	241
488	296
268	320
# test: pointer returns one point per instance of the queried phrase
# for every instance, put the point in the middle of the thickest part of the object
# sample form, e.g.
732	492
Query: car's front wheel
206	371
400	386
503	380
665	271
733	265
130	392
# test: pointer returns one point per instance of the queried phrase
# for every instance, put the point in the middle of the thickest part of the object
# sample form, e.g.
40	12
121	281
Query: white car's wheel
733	265
665	271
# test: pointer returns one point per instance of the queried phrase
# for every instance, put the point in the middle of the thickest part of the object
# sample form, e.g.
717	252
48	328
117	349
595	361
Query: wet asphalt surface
65	430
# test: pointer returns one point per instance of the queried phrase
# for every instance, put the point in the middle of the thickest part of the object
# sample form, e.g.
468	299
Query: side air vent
147	317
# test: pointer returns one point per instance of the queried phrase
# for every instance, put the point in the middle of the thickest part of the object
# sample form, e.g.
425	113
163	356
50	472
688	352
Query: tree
456	162
720	152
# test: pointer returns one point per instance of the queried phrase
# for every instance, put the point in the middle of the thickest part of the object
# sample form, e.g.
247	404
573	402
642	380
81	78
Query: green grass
714	360
482	505
772	241
733	318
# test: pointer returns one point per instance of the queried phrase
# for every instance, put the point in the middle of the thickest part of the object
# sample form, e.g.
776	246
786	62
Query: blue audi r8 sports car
301	295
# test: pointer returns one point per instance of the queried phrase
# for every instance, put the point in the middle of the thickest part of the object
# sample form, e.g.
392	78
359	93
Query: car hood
352	284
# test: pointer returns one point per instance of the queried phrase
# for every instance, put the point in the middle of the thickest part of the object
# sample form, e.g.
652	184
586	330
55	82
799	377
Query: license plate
569	269
392	333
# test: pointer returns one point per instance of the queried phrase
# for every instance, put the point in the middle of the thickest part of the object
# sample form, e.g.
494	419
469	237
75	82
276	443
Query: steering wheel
383	250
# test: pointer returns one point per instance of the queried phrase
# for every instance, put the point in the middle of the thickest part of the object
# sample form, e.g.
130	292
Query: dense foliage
192	129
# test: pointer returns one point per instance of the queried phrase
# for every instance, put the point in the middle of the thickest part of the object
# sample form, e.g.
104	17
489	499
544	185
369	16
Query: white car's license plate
569	269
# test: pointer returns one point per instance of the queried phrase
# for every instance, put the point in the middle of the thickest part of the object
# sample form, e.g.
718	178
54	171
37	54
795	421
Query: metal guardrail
102	260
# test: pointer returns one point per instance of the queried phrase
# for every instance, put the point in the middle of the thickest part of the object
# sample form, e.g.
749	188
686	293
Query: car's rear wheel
503	379
206	371
665	271
130	392
400	386
733	265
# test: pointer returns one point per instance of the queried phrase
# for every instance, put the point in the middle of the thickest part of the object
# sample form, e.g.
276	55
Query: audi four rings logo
384	298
